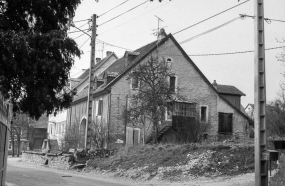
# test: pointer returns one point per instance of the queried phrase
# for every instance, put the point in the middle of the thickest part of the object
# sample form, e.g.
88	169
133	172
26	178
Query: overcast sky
134	29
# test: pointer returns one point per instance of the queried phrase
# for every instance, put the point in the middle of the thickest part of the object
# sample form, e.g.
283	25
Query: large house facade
219	108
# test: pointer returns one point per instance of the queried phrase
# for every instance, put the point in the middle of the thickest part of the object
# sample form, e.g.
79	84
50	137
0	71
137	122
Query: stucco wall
240	123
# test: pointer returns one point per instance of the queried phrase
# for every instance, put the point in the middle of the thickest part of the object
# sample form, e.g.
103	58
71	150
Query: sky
135	29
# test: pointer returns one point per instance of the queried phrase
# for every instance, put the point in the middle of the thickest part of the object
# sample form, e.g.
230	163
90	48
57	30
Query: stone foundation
53	160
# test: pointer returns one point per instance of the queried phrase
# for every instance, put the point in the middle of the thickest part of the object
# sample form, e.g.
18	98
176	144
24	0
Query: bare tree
99	134
71	138
276	115
19	128
151	92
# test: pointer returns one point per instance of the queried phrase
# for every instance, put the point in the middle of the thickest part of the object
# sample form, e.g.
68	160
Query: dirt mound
178	162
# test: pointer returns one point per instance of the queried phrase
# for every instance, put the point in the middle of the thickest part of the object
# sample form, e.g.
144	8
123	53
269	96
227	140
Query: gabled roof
229	89
85	74
120	67
251	105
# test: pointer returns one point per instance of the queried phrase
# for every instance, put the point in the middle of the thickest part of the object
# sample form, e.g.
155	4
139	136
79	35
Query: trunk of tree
155	123
12	142
19	146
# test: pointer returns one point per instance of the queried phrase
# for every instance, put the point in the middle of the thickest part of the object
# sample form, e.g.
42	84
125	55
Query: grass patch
279	178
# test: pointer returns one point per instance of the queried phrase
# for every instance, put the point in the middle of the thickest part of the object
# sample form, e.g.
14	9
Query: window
203	113
100	107
225	123
135	80
172	82
169	62
180	109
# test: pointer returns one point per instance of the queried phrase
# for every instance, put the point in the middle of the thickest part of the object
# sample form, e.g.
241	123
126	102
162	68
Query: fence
4	128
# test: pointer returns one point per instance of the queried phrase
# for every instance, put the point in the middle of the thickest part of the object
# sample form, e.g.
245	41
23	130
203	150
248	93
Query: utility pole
91	85
261	167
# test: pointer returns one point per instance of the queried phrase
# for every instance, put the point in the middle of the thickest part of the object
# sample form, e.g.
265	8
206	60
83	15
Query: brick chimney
161	34
108	53
215	84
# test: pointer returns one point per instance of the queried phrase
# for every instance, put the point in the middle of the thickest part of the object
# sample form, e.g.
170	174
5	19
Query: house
218	106
249	109
32	135
57	124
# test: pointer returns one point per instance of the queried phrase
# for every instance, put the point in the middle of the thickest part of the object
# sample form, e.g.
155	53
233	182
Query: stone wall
53	160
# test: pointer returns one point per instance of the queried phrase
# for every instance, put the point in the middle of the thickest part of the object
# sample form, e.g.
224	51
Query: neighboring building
32	135
57	124
249	109
220	107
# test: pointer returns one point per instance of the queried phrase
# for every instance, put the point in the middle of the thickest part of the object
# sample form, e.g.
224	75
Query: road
23	174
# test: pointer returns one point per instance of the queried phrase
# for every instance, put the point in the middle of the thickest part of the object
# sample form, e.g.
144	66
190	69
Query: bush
278	179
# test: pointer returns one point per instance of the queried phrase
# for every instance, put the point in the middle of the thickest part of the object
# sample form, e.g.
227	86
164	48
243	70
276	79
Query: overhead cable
78	27
268	20
84	43
229	53
77	31
211	30
123	13
81	30
113	8
210	17
81	20
112	44
133	18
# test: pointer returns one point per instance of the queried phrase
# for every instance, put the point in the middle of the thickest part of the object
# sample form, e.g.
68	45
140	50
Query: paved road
23	174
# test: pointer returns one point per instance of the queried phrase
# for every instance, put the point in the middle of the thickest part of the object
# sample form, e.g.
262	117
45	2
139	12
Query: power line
81	30
230	53
268	20
84	43
210	17
211	30
134	18
79	36
112	45
77	31
78	27
123	13
113	8
81	20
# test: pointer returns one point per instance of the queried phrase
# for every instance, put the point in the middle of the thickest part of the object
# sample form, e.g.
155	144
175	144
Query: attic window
169	62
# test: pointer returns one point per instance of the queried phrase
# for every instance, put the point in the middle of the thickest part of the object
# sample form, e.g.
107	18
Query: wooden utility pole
91	84
261	168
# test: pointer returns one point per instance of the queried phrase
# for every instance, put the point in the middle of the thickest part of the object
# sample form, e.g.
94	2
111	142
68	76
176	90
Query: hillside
178	162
